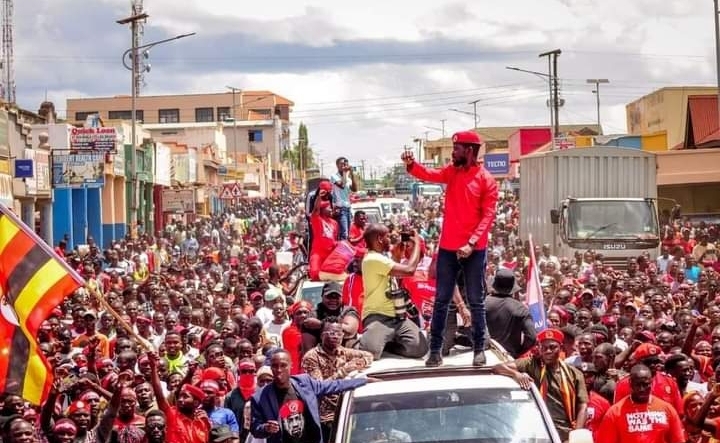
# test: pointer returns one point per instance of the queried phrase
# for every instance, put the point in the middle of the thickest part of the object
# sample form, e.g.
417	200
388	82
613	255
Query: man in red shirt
471	196
641	417
663	386
324	233
597	404
357	231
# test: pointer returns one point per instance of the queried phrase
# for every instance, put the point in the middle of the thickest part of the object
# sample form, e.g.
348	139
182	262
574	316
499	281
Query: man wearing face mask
471	196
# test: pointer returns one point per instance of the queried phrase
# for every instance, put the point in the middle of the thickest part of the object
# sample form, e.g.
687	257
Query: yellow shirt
375	273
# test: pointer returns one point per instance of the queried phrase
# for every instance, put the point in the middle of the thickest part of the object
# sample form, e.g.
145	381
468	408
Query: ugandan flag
33	282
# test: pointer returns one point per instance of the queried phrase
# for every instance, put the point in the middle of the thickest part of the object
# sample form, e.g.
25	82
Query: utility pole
234	117
475	119
134	19
596	82
362	172
552	63
717	51
443	126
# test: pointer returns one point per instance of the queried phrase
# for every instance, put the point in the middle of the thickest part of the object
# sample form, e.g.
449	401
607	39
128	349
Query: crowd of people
199	334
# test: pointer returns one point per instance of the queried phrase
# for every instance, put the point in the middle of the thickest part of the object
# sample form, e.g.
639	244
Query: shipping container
603	199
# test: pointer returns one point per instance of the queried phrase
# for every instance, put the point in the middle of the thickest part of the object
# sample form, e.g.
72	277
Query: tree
301	155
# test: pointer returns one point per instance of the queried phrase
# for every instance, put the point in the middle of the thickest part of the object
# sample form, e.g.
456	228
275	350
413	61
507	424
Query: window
264	112
126	115
255	135
169	116
462	415
223	113
204	114
82	116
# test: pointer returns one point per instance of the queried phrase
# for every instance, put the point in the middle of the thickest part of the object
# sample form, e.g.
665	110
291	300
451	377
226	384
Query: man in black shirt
509	321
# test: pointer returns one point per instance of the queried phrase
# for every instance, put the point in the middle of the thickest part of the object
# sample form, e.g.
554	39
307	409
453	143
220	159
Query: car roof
495	354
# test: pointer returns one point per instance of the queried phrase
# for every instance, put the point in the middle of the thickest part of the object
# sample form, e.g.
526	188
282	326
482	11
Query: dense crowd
177	332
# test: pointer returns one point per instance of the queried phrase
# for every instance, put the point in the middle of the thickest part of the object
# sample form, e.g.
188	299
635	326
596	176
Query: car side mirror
554	216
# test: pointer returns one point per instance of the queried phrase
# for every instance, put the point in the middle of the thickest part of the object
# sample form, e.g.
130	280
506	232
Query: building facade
663	112
254	122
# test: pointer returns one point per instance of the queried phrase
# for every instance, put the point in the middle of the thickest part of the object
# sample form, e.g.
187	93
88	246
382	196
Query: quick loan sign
93	139
497	164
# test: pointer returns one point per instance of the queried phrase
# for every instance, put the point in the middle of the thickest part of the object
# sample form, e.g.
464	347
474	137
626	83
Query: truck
597	198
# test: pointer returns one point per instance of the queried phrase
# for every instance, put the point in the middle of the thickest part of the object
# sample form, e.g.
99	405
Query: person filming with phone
385	318
471	196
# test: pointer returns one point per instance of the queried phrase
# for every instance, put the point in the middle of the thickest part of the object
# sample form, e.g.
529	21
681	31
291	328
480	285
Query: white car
452	403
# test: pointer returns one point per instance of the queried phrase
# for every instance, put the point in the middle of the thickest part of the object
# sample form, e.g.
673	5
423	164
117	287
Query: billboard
78	170
94	139
178	200
497	164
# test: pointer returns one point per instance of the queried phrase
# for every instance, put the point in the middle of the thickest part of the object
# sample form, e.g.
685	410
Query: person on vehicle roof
471	196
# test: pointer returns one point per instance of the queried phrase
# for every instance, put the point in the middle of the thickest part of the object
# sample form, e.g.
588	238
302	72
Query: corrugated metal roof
703	115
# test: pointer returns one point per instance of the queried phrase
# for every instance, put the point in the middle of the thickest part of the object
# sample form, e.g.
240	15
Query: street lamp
597	82
132	53
543	76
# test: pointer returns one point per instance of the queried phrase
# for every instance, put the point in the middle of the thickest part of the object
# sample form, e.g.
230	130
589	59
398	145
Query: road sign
226	194
236	191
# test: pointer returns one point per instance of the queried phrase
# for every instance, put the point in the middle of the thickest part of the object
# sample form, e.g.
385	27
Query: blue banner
497	164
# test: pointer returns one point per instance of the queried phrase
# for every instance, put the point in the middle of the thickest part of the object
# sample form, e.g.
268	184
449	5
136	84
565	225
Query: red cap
325	185
194	391
551	334
467	137
646	350
212	373
78	406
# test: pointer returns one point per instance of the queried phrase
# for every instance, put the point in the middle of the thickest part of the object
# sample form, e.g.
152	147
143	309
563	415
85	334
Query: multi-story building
254	122
685	120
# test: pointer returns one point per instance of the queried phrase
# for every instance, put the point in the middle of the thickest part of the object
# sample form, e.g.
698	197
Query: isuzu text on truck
599	198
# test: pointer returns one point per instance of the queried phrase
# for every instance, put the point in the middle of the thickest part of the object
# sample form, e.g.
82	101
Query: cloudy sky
369	77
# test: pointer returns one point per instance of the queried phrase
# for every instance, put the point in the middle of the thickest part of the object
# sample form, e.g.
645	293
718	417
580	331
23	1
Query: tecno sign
497	164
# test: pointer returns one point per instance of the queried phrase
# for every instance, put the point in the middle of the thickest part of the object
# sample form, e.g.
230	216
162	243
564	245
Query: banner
78	170
534	292
178	200
94	139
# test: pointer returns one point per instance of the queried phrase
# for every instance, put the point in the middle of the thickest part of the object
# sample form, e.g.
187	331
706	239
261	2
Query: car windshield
612	219
459	415
312	293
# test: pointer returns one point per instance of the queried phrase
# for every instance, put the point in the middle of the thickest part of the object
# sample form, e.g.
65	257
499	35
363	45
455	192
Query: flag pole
121	321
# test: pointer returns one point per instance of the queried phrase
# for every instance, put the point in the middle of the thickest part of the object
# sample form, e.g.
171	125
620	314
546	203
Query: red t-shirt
422	294
183	429
357	232
353	292
596	409
325	232
292	341
652	422
664	387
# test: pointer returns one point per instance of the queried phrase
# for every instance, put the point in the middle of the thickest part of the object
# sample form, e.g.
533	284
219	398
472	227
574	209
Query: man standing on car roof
561	386
471	195
343	183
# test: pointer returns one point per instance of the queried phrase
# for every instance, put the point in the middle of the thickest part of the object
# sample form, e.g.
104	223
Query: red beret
325	185
213	373
194	391
551	334
302	304
469	137
646	350
78	406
